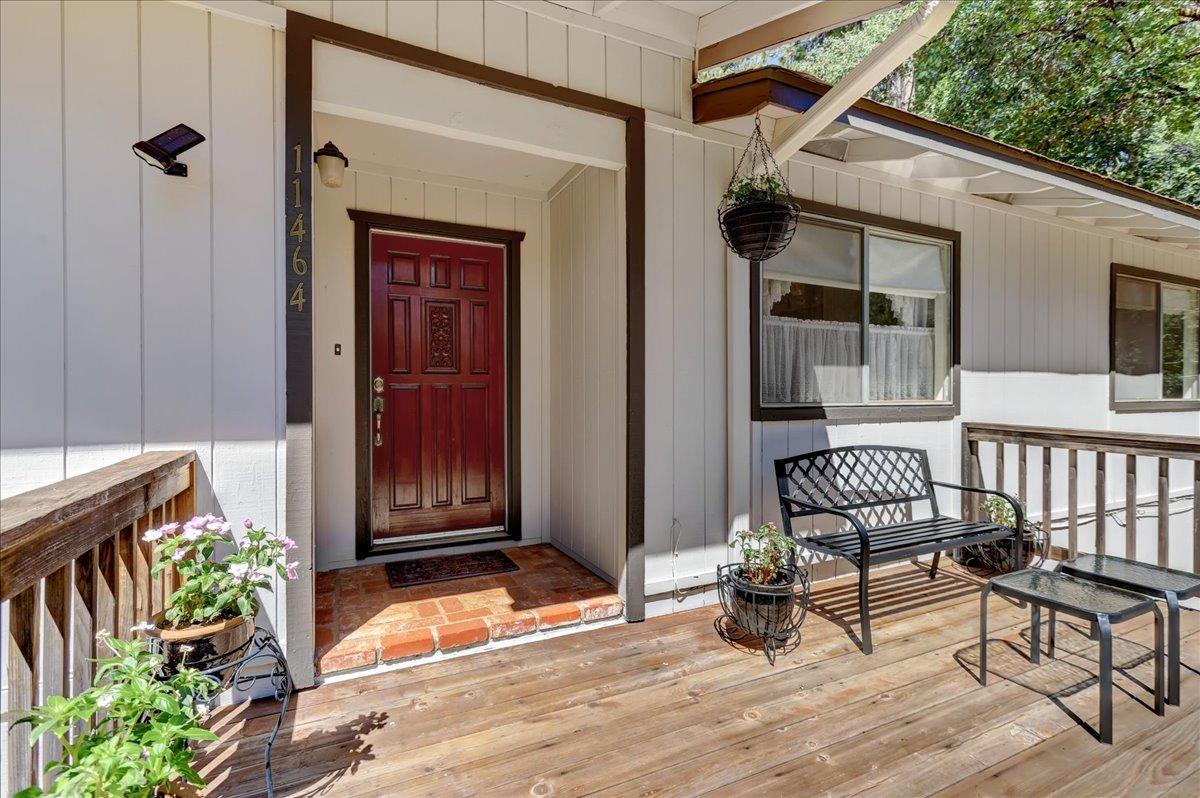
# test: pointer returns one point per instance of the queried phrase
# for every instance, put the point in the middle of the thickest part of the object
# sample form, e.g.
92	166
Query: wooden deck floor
666	708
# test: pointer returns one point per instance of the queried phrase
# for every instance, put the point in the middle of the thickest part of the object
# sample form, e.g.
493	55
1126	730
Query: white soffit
352	84
402	152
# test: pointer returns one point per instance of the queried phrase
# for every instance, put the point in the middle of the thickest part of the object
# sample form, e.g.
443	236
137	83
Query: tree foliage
1112	86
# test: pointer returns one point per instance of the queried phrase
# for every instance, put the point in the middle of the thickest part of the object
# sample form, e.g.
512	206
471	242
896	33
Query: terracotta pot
202	645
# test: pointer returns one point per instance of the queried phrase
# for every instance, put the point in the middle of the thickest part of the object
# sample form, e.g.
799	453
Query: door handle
377	408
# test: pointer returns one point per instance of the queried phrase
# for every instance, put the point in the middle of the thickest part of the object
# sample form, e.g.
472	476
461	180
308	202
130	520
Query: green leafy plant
761	187
128	735
763	552
219	576
1000	511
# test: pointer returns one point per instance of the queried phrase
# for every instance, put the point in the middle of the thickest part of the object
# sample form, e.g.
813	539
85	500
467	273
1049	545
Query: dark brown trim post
302	31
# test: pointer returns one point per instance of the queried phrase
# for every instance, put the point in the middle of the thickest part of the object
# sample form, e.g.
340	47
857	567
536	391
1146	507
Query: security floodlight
161	151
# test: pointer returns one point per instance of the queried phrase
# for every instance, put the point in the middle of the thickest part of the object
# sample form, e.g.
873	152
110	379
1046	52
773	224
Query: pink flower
179	554
152	535
239	570
287	543
292	572
192	533
248	524
167	529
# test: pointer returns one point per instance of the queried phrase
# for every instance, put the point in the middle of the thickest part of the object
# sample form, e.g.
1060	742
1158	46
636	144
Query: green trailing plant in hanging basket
764	187
757	215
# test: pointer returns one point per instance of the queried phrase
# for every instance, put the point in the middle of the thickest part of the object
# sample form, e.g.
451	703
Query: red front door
438	365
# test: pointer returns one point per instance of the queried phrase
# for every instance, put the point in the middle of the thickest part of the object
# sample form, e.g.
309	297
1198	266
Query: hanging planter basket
757	214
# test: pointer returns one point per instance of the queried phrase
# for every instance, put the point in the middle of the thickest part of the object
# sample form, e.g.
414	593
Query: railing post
1164	510
1073	502
1047	505
1131	504
1101	504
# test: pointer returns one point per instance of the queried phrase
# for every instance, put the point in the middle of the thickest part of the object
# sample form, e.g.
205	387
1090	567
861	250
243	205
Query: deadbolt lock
378	384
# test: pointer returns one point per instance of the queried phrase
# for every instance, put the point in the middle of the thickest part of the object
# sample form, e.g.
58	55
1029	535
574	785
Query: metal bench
878	483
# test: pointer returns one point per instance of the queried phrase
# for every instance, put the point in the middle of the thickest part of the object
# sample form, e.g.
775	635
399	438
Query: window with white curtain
1155	331
855	314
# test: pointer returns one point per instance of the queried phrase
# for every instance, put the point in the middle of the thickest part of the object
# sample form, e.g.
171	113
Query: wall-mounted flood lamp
331	164
162	150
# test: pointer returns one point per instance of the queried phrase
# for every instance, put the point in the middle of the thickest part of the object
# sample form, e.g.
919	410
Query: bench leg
1106	679
1050	635
983	633
1173	649
864	612
937	557
1159	704
1035	634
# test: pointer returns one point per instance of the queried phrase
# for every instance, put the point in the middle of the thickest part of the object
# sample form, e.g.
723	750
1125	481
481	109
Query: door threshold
434	540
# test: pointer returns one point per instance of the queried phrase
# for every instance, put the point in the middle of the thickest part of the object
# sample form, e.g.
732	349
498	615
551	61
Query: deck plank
665	708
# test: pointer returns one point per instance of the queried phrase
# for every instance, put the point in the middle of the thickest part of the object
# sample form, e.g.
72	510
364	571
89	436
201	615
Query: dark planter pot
770	613
997	556
202	646
759	230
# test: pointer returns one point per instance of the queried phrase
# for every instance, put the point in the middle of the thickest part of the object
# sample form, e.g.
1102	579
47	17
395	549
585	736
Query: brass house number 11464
297	232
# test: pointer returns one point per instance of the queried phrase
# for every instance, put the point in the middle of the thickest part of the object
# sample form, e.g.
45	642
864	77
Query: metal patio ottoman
1099	604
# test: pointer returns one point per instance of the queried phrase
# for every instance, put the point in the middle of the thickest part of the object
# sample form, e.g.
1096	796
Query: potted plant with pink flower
219	576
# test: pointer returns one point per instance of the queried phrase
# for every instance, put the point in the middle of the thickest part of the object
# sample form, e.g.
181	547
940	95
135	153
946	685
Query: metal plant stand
229	671
772	614
1100	604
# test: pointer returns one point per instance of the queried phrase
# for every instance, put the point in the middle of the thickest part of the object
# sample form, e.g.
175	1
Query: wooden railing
1109	449
73	563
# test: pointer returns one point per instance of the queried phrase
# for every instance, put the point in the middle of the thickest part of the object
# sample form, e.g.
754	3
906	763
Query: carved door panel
438	365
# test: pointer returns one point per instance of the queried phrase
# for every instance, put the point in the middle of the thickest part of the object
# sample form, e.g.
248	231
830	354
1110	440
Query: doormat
454	566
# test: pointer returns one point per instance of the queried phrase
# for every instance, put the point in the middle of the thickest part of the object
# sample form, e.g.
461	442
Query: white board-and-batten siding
1034	351
585	350
532	39
139	311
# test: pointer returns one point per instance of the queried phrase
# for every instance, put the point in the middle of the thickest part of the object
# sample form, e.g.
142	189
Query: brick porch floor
362	621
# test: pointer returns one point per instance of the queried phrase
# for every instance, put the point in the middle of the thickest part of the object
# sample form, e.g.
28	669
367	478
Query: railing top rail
46	528
1184	447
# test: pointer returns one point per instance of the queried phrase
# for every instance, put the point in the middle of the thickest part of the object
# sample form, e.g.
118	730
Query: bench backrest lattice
878	483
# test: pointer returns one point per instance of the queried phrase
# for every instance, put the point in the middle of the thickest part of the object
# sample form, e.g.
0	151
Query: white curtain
819	361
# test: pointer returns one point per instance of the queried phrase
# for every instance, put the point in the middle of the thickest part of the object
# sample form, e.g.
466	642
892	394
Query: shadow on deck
666	707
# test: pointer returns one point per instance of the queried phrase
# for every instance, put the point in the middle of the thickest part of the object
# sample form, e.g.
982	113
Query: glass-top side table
1170	585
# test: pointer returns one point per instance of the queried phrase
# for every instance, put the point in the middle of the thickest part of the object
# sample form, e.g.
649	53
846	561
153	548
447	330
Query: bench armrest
1016	505
858	526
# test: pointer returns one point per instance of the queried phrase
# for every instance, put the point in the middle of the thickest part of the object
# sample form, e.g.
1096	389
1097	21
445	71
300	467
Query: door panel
437	347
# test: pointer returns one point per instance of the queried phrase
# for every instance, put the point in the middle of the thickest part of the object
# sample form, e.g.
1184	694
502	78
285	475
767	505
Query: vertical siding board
623	65
460	29
103	312
718	163
243	270
472	207
585	60
408	197
504	45
610	423
997	291
32	347
590	382
372	192
440	203
824	186
1039	306
868	191
527	216
659	352
688	292
800	175
658	82
368	15
177	239
980	269
413	21
547	50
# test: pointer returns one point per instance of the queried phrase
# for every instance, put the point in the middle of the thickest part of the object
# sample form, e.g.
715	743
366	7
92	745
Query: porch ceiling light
331	164
162	150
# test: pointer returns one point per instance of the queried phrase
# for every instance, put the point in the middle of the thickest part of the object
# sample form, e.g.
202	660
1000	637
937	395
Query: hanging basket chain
757	215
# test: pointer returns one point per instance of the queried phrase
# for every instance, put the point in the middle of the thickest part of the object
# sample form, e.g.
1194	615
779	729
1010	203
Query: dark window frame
879	411
1140	405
